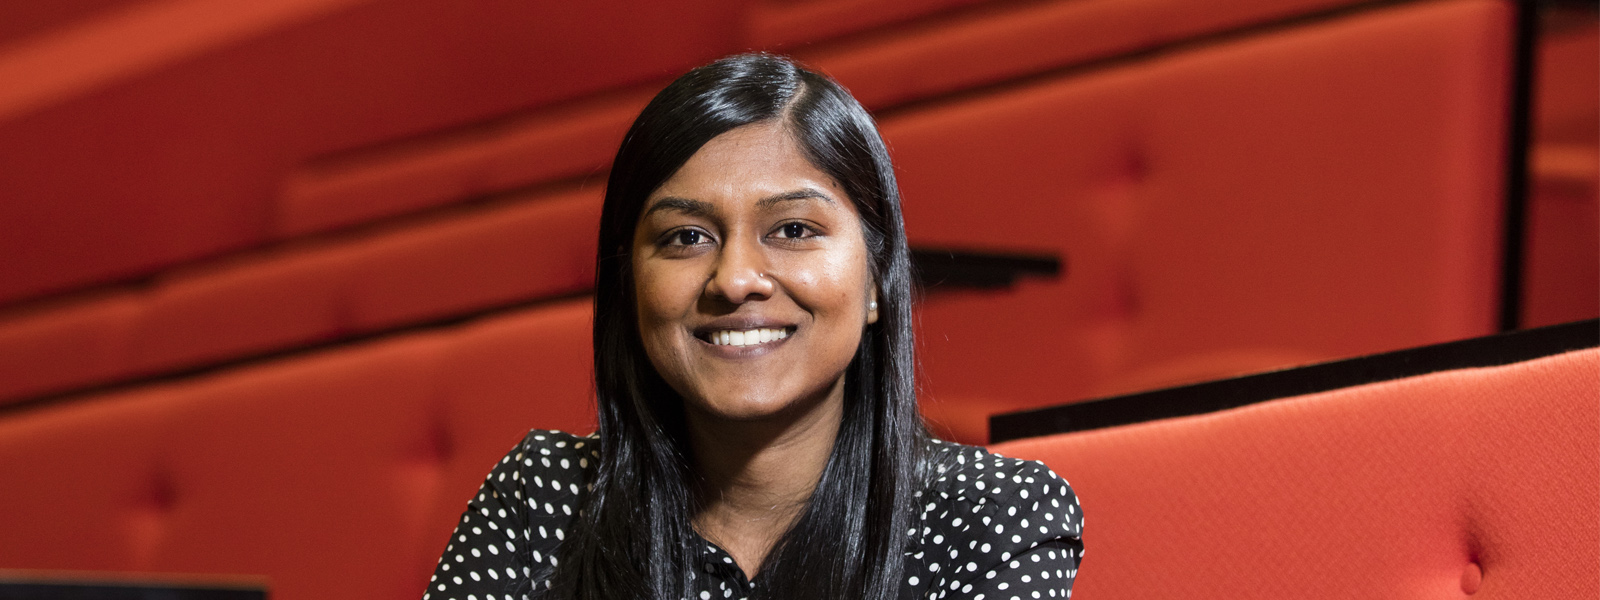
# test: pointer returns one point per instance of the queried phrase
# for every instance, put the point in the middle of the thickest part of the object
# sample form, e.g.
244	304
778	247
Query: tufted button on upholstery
1471	578
435	445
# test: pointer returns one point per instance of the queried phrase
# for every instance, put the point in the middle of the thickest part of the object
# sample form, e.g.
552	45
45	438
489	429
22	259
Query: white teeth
749	337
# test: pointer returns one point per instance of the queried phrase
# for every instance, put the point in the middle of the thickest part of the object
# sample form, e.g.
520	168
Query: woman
758	433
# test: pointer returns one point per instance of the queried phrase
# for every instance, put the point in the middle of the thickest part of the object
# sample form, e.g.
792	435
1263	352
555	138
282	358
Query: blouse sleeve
483	558
1029	545
505	539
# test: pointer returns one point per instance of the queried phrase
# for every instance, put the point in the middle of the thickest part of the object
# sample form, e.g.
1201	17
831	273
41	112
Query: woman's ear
872	305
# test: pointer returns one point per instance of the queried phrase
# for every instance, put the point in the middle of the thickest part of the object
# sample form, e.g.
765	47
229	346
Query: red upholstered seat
83	486
243	307
338	473
499	378
521	249
249	303
376	183
995	45
884	68
67	345
1480	482
290	470
1317	192
156	136
1562	260
540	247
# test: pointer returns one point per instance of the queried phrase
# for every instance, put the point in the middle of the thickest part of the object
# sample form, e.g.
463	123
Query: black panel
1518	132
1501	349
66	591
947	268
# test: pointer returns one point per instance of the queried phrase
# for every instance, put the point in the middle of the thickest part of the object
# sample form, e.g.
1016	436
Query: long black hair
633	538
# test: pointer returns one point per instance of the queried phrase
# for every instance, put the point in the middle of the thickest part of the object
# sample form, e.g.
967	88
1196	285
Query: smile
745	337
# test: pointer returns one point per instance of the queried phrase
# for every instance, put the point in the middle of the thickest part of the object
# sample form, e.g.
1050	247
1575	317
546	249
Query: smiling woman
758	432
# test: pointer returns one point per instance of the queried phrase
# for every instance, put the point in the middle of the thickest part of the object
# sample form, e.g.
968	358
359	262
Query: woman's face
750	269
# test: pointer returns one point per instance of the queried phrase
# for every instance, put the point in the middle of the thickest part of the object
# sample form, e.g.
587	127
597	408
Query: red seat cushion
67	345
1317	192
1401	489
893	66
338	472
539	247
243	307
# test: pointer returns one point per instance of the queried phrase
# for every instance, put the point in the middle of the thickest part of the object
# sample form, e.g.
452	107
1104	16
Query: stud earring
873	305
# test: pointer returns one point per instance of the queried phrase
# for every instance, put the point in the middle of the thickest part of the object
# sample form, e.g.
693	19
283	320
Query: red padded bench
334	474
163	137
1316	192
1481	482
521	249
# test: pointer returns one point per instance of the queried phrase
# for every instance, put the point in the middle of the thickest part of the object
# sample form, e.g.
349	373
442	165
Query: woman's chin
759	404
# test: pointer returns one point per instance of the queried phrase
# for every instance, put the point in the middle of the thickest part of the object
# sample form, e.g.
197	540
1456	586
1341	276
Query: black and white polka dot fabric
988	528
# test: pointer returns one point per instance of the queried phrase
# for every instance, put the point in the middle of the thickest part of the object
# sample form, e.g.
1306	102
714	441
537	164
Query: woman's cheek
821	285
662	301
663	292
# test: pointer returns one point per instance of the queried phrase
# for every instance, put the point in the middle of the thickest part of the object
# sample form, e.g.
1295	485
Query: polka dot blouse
988	527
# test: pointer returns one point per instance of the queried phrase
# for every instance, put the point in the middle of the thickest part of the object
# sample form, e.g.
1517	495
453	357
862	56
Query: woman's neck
757	476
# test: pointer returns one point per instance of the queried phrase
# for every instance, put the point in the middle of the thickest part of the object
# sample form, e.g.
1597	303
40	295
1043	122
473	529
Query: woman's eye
687	237
794	230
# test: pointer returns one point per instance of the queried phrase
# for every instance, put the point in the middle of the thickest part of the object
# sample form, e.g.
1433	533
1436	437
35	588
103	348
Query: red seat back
1474	481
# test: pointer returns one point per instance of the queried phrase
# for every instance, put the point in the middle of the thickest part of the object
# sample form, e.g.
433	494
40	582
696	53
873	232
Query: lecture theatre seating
335	474
1478	482
184	117
1563	244
525	248
341	474
503	221
1239	207
258	318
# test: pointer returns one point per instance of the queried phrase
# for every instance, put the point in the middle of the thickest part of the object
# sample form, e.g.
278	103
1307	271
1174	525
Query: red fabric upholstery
448	168
521	249
1251	198
1563	247
159	121
334	474
525	250
1482	482
1240	204
1161	161
82	486
885	69
920	62
66	345
779	23
242	307
19	19
191	152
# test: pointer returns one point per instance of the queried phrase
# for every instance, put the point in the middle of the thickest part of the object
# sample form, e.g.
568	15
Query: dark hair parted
634	538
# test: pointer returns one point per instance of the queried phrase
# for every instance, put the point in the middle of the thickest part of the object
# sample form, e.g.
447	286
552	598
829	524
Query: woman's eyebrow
693	208
800	194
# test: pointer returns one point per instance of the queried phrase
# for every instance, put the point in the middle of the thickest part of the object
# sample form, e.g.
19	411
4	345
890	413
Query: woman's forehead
759	167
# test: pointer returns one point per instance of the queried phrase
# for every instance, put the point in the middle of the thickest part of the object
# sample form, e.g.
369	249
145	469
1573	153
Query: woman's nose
741	274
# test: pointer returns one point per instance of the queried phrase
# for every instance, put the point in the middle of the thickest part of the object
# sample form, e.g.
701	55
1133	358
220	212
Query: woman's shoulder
989	523
992	489
551	468
975	474
549	446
